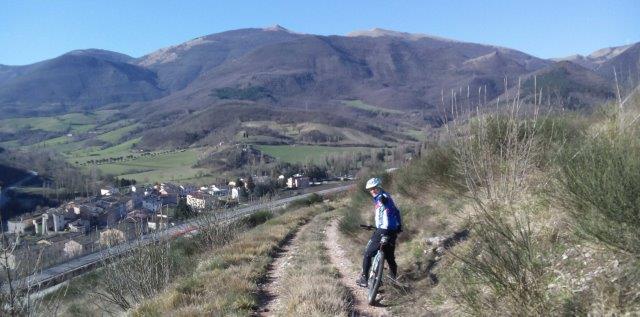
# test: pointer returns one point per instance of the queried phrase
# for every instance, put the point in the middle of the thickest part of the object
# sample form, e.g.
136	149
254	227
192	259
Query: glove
399	228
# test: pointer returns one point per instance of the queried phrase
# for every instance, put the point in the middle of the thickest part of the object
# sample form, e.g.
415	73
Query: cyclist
388	223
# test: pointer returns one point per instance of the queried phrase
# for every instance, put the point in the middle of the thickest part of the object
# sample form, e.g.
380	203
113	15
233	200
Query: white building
19	226
79	225
109	191
298	181
218	191
235	194
199	201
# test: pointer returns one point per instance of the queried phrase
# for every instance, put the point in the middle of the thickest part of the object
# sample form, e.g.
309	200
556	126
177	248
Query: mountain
84	78
625	61
9	72
327	80
103	55
594	60
569	85
387	71
177	66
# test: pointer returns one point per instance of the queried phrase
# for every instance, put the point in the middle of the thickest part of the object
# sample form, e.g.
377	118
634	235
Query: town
85	225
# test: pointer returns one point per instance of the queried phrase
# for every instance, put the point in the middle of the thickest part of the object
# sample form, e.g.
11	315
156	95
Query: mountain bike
375	272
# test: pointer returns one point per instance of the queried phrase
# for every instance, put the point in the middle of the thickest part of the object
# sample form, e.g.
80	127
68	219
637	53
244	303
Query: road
63	271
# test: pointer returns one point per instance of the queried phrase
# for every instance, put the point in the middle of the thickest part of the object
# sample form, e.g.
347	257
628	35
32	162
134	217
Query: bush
438	167
350	222
504	268
600	186
311	200
257	218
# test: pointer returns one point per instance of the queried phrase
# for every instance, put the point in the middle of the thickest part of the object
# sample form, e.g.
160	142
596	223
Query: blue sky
31	31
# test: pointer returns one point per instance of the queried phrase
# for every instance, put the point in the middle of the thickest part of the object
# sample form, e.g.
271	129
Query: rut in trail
348	274
270	289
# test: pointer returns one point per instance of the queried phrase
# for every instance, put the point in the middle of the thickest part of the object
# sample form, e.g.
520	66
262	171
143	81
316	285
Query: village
118	214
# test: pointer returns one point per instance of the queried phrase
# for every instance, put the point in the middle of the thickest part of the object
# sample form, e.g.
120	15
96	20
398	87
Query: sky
32	31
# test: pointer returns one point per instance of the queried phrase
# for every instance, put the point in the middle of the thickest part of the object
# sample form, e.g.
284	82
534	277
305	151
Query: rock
435	240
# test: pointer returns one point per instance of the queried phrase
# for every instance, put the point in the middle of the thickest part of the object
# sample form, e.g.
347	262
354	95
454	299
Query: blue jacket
386	213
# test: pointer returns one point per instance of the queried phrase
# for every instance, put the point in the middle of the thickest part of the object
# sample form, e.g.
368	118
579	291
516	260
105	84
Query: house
235	194
218	191
158	222
261	179
109	191
72	249
134	203
200	201
152	203
169	193
110	217
113	210
138	215
20	225
188	189
59	220
298	181
80	225
111	237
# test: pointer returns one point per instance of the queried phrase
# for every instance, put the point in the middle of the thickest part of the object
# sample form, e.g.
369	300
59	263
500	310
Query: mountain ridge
278	70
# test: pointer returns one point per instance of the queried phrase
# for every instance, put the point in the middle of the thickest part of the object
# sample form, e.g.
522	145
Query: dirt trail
348	273
271	288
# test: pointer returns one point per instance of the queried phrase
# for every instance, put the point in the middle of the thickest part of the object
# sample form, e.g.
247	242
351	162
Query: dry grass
311	285
226	283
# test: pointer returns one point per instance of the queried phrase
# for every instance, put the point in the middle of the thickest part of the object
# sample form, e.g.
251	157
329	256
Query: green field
150	168
114	136
358	104
417	134
306	153
73	122
93	153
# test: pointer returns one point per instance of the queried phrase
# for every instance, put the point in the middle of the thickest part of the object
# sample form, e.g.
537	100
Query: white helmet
373	183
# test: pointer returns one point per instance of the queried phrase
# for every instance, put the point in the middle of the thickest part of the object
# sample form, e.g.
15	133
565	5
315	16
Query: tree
251	185
183	211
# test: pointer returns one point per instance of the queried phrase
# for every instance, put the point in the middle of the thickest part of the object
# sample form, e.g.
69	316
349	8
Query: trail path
348	274
271	288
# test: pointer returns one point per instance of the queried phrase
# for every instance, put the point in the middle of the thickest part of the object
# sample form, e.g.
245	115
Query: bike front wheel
375	276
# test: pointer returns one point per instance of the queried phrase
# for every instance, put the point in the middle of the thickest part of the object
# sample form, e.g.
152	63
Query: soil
348	273
271	288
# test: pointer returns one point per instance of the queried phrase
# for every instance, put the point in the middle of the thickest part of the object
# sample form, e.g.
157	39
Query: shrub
502	269
311	200
257	218
350	222
437	167
600	186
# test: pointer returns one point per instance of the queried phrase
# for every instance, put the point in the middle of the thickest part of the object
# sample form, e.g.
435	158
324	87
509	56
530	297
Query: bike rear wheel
375	276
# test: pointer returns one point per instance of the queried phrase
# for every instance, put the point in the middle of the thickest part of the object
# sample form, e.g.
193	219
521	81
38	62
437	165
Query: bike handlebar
367	227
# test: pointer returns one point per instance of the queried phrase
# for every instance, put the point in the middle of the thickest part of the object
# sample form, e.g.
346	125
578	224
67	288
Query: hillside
78	80
374	89
506	214
569	85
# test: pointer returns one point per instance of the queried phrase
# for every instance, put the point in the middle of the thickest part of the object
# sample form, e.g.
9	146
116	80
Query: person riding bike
388	223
